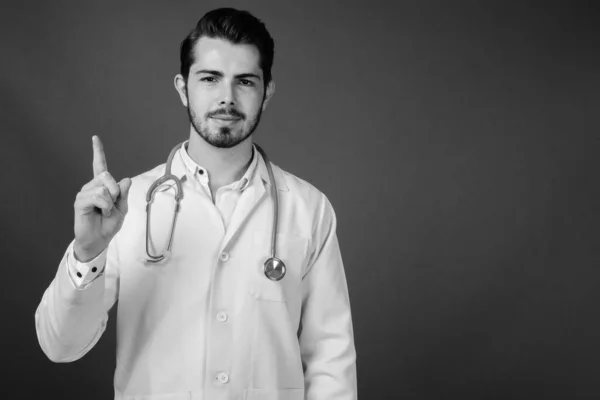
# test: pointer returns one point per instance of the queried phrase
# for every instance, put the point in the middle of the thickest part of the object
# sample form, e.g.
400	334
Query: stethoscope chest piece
274	269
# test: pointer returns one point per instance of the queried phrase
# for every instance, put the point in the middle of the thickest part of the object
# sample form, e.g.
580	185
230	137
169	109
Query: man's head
225	79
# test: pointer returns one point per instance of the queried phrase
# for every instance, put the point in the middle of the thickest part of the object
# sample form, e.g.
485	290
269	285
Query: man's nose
227	95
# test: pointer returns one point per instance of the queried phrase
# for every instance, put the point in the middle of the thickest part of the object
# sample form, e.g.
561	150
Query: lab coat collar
261	168
179	169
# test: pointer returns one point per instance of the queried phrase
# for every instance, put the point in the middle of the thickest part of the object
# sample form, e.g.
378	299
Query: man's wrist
84	255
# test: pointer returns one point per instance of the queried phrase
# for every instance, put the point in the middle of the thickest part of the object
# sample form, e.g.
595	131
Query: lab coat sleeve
72	316
326	334
84	273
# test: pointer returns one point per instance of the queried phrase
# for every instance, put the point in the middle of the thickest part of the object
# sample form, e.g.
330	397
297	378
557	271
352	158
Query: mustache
231	112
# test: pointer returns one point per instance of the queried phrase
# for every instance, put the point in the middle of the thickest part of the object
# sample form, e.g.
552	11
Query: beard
224	137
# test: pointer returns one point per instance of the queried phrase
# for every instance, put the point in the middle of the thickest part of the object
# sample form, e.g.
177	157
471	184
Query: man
206	322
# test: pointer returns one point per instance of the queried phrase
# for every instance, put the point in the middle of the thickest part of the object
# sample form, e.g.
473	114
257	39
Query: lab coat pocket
274	394
292	251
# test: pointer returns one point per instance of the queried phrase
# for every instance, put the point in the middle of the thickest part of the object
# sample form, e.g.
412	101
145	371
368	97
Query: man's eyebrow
220	74
247	75
209	72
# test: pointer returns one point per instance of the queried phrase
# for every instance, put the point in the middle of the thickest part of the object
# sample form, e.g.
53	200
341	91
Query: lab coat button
224	256
221	316
222	377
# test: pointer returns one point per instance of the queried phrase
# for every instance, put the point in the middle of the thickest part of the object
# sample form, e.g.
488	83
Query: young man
199	315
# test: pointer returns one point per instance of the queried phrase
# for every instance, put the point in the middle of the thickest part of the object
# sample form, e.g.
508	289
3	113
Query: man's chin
223	137
222	140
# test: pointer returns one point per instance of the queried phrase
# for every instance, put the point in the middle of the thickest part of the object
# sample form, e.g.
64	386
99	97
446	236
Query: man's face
225	92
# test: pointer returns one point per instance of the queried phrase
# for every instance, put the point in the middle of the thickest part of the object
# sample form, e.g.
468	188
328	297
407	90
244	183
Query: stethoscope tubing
275	201
178	196
271	264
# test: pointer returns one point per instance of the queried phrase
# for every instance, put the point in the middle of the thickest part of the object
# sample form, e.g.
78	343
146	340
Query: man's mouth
226	117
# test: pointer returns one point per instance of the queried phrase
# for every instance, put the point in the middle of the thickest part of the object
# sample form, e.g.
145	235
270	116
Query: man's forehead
220	54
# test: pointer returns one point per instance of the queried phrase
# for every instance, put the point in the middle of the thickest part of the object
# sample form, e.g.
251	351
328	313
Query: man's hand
100	208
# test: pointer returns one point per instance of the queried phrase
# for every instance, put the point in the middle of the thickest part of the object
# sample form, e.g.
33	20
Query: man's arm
326	336
74	309
72	316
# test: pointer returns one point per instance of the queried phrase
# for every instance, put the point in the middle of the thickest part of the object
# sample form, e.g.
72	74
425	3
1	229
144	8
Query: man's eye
208	79
246	82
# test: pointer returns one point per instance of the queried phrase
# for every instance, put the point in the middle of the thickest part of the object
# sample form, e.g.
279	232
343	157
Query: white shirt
208	324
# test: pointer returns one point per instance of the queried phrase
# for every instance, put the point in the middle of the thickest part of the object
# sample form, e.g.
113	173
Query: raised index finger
99	162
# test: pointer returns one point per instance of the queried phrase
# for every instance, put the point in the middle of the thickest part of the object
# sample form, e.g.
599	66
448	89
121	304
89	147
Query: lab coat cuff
71	294
82	274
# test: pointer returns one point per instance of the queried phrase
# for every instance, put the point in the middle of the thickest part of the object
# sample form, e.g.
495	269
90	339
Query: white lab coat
208	324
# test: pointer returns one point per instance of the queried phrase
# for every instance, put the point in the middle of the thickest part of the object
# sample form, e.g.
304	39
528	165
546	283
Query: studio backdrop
457	142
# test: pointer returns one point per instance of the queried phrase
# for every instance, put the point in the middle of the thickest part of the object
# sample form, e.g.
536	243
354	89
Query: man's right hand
100	208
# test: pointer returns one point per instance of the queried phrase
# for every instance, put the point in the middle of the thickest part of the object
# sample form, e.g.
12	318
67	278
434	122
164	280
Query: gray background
457	142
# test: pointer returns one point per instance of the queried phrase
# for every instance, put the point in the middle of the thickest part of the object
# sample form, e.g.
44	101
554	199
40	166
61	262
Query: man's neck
224	166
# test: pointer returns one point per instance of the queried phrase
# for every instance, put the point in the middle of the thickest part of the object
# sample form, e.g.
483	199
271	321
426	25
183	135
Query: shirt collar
197	170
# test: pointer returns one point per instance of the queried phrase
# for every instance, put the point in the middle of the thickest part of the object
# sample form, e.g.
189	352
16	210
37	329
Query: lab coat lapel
251	197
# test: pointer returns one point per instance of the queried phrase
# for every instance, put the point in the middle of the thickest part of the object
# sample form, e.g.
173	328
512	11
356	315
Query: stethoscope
273	268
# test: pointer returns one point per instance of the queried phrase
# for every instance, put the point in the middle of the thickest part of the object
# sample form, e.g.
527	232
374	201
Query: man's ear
181	88
270	91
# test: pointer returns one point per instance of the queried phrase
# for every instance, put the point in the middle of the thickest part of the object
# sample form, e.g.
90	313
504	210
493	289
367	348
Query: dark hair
238	27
